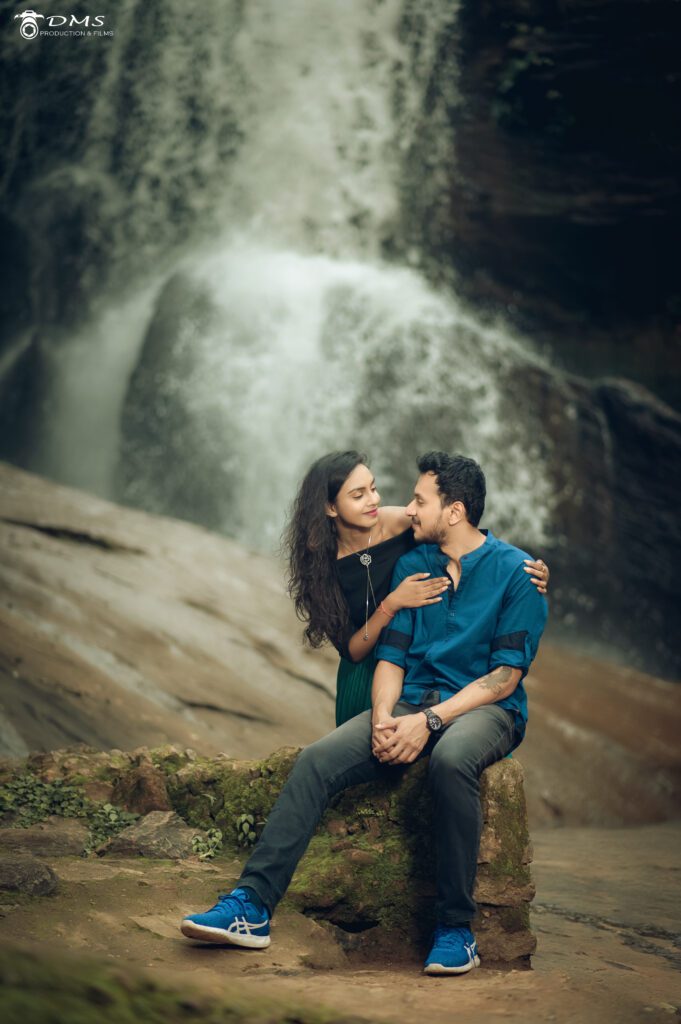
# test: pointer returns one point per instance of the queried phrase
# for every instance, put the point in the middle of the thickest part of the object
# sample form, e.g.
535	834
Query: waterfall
250	164
294	355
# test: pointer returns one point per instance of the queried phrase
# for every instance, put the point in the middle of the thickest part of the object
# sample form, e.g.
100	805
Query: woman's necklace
365	559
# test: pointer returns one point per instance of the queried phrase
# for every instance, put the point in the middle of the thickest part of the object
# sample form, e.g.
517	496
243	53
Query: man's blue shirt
495	617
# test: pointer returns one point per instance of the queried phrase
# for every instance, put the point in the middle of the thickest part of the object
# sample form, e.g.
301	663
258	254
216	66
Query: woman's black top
352	576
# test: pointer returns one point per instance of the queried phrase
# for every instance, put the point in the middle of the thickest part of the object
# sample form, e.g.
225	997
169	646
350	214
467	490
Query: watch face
434	721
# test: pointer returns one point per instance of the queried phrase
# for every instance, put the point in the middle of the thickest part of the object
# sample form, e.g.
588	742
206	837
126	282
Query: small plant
28	800
207	847
105	821
245	830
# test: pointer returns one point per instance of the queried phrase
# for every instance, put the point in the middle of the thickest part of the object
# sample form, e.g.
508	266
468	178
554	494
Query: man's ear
331	511
456	512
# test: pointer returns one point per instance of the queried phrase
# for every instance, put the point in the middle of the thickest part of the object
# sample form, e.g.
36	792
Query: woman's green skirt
353	687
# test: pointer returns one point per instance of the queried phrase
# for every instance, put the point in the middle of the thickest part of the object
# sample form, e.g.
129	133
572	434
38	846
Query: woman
342	547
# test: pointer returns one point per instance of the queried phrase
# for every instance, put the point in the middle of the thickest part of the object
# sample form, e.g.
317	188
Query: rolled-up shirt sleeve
520	625
396	637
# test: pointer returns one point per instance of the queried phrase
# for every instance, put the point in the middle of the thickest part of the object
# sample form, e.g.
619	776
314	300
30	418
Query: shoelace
451	937
239	902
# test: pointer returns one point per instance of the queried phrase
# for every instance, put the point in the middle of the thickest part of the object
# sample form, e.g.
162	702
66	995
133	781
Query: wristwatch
433	721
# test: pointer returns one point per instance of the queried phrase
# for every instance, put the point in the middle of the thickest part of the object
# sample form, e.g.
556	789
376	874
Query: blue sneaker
454	951
234	919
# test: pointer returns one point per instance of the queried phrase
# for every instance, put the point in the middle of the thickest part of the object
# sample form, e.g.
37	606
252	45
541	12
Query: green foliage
27	800
216	794
105	821
245	828
208	847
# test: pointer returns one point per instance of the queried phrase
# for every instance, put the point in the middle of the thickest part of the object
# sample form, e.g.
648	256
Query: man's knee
452	761
312	759
326	757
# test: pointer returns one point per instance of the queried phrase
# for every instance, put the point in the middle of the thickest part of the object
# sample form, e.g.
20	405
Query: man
448	683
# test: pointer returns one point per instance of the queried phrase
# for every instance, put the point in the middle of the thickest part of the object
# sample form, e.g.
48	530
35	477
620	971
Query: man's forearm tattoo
496	680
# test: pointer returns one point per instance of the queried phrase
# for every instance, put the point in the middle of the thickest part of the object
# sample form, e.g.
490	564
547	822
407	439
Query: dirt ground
607	917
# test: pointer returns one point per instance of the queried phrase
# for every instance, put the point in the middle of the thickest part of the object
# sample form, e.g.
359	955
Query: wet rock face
111	199
173	449
612	452
543	167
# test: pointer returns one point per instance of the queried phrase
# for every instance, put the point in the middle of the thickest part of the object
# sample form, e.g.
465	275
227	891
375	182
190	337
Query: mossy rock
369	870
218	792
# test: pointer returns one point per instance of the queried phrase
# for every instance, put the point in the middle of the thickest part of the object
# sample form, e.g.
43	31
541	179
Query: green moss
371	891
225	794
79	779
510	825
515	919
36	990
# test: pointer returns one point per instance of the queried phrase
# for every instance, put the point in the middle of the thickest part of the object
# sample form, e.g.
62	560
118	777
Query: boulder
369	870
142	789
161	834
175	454
26	874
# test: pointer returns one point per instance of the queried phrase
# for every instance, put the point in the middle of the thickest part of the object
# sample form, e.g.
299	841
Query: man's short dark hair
458	479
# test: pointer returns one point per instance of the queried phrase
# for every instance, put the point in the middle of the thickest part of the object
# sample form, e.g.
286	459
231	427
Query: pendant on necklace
365	559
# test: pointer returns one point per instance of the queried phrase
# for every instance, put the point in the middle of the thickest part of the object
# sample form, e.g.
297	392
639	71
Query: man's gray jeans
343	758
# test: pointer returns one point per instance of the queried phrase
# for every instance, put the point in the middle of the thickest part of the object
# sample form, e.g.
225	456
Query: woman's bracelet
389	615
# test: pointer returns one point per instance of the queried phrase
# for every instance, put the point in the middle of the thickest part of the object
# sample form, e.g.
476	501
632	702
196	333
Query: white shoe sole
206	934
441	969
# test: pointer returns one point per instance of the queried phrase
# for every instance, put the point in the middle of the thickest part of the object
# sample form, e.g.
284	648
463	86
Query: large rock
369	870
158	632
26	874
142	789
175	453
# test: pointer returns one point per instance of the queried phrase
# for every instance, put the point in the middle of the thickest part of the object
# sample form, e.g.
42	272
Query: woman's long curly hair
311	545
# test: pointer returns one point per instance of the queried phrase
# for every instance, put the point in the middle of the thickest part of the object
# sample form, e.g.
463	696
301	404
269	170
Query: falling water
252	162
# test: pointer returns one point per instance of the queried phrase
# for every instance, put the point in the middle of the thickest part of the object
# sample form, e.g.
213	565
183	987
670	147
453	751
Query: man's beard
436	535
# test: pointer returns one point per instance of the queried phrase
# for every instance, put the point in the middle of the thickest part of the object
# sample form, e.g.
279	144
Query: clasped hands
399	740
